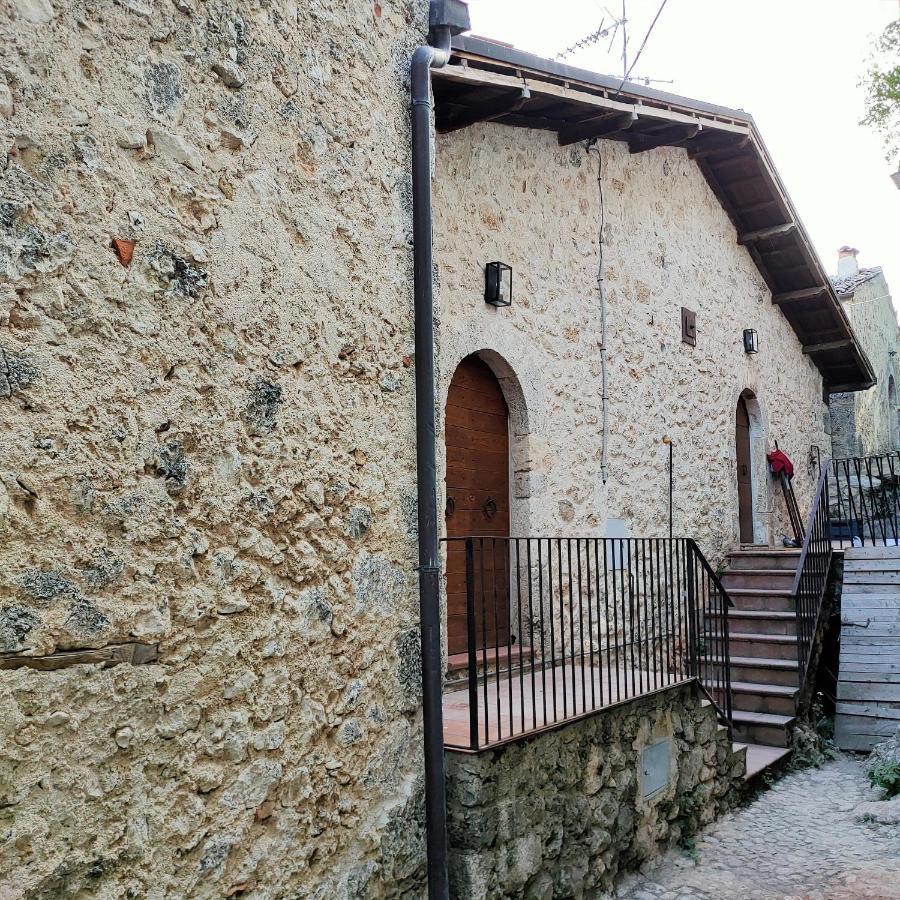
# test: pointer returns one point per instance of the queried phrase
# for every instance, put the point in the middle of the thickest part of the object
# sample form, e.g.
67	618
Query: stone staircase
765	673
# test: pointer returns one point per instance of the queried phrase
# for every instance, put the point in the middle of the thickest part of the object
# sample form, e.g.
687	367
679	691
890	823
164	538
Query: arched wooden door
744	472
477	438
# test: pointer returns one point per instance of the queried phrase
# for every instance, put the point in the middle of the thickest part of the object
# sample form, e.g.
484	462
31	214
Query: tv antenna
610	26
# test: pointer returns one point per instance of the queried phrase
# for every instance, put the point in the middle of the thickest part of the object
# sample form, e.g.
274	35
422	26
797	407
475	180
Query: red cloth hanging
779	462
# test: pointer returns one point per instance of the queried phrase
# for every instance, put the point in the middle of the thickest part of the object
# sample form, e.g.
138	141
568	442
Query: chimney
847	264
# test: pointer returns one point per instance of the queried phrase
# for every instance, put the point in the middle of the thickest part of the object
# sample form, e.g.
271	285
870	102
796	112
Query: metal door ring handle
490	508
449	507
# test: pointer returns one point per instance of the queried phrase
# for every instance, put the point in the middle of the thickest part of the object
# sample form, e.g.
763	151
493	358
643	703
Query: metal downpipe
423	60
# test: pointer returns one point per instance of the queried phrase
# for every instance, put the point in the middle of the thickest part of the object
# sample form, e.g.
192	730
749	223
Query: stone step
752	598
764	558
760	758
769	646
739	758
758	578
780	699
760	621
763	671
768	729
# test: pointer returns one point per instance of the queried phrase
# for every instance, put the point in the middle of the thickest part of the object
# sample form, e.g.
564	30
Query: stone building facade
868	423
207	443
515	195
207	447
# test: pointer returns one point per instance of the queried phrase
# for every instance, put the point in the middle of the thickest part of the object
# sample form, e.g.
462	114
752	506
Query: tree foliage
882	84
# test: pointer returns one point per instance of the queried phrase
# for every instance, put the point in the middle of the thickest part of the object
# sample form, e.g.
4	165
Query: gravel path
798	840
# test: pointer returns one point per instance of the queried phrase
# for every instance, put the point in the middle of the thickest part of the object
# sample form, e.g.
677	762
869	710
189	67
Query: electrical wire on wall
601	289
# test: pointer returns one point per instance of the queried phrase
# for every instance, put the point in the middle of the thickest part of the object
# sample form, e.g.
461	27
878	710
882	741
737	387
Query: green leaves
882	84
886	775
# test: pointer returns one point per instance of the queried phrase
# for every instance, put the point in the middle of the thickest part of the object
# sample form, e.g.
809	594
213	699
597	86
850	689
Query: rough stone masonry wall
514	195
564	814
866	423
208	446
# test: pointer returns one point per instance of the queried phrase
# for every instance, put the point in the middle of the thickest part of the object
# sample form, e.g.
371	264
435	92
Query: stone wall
866	423
207	433
565	814
514	195
207	445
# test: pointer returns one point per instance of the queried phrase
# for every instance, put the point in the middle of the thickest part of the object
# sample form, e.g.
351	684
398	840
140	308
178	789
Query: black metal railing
811	579
546	630
864	500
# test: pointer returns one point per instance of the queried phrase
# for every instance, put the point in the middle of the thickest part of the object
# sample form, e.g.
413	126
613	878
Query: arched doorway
893	414
744	471
477	442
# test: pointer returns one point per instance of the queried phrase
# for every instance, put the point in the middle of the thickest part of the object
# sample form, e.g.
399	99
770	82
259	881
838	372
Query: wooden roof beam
741	182
844	388
597	127
540	88
801	294
829	345
756	207
483	112
727	149
668	137
763	234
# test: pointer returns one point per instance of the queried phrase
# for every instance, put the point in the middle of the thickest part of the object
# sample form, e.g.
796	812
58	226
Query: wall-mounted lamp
498	284
751	341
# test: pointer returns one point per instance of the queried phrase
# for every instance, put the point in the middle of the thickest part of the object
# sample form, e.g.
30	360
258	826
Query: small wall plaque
655	768
688	326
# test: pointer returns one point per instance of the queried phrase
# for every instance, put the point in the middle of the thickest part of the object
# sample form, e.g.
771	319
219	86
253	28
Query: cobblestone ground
798	840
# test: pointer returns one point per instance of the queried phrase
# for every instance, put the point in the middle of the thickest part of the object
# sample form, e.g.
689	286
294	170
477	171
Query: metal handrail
557	628
811	580
711	572
866	493
807	540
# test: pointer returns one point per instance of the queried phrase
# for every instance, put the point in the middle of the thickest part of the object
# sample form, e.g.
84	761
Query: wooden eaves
485	81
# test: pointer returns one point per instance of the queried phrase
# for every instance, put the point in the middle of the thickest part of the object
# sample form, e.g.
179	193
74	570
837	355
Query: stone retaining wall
562	815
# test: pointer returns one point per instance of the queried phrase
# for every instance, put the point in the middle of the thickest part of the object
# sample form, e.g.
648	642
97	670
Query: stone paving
798	840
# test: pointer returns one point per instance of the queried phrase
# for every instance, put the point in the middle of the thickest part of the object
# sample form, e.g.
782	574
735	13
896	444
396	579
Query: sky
794	65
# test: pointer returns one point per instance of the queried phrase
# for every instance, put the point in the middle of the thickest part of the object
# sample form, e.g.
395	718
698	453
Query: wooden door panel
469	439
491	462
476	522
744	474
456	555
475	419
477	442
490	636
481	400
467	499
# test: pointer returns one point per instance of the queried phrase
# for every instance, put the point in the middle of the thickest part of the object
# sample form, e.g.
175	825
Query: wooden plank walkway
868	707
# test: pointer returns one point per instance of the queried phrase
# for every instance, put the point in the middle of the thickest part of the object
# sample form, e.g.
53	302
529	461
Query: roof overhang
485	81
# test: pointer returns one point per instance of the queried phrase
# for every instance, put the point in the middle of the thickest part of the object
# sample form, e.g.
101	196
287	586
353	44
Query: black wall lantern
751	341
498	284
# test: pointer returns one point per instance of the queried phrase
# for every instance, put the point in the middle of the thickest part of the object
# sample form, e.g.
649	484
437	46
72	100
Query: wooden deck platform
868	707
518	704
